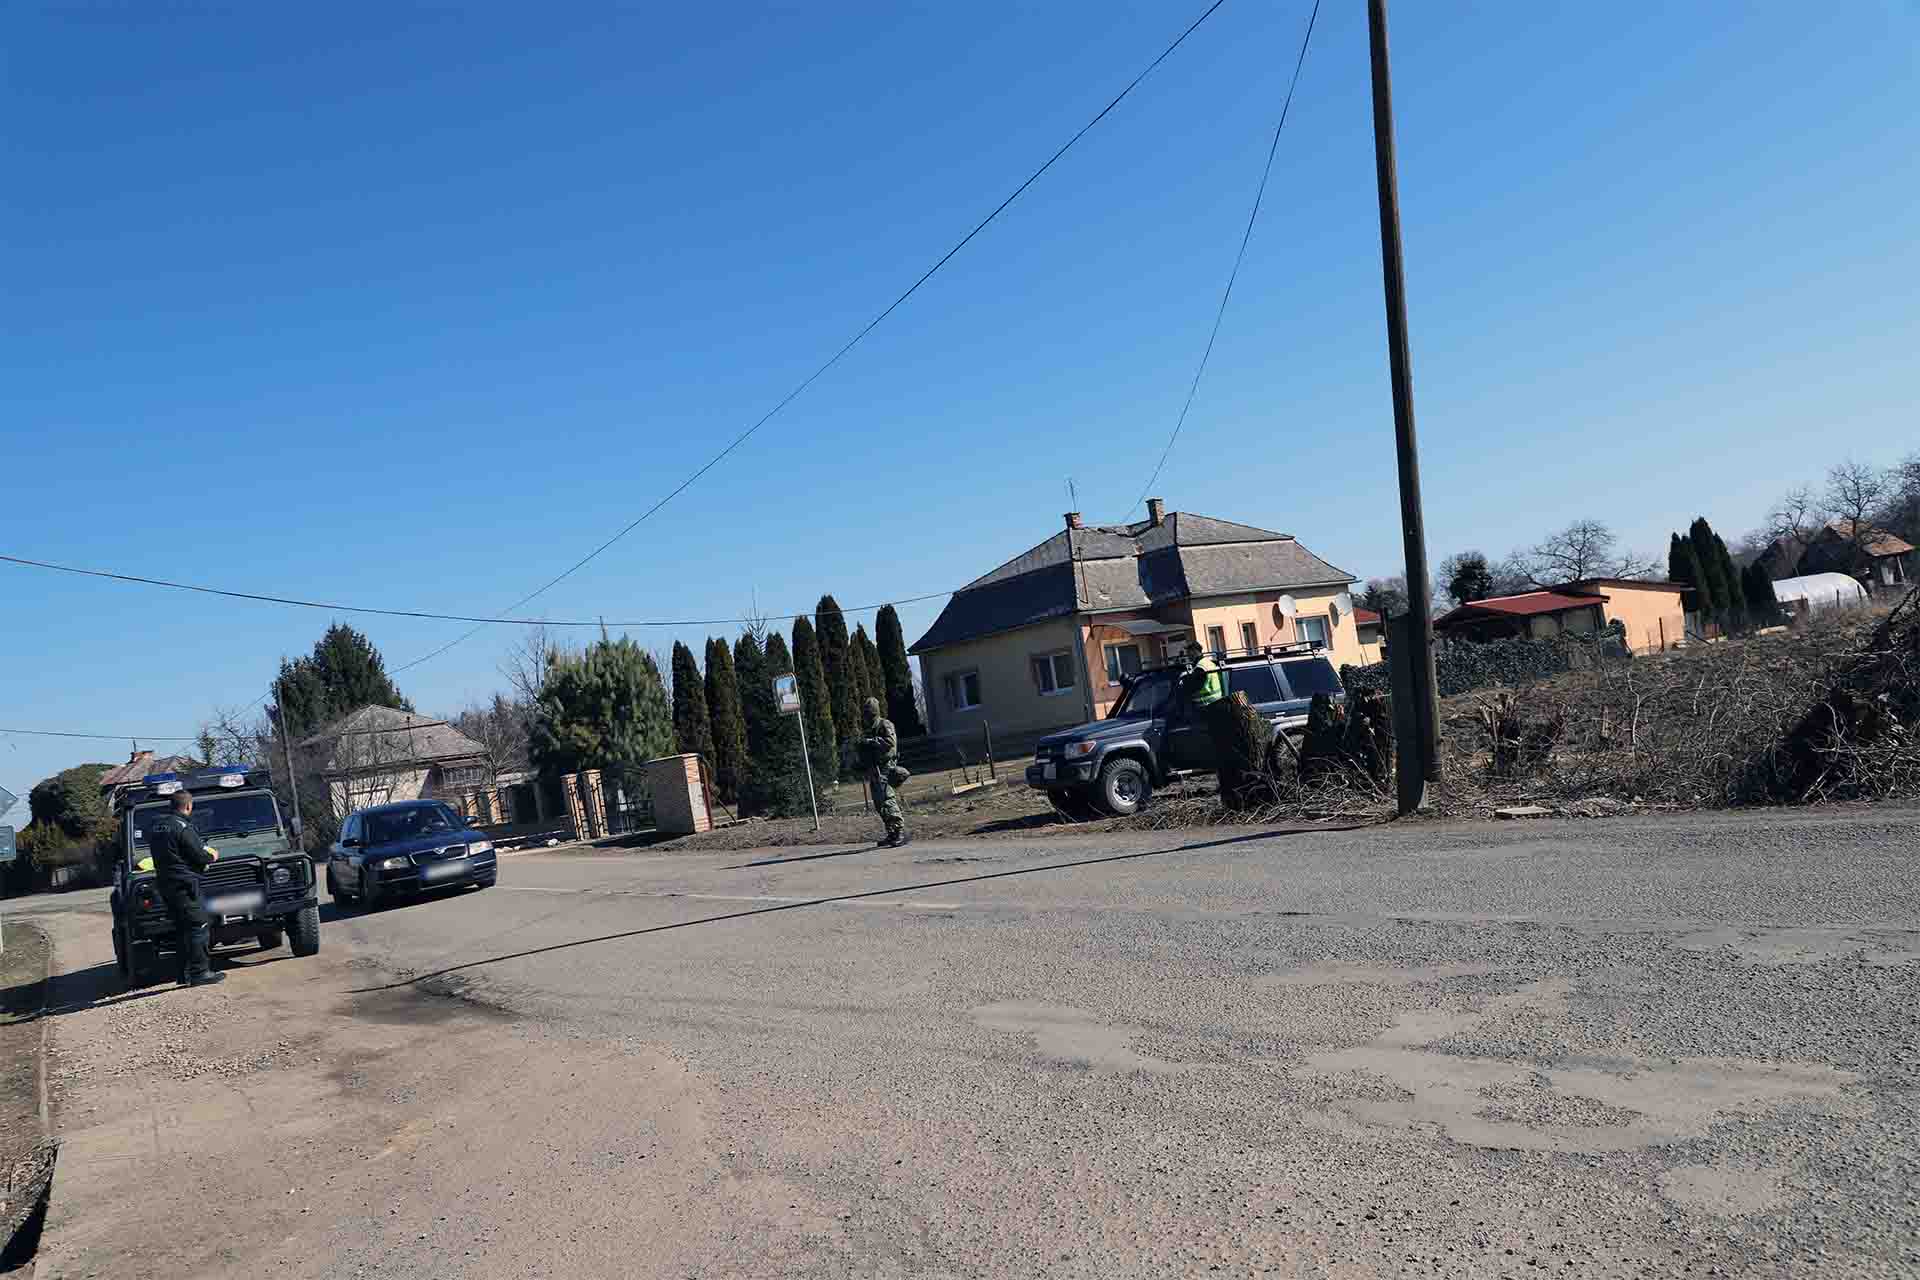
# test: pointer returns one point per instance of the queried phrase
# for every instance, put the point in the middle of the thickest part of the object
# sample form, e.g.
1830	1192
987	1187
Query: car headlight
281	875
480	846
1077	749
394	864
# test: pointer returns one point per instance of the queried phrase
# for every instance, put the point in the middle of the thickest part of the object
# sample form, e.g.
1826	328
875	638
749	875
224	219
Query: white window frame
1326	629
956	687
1250	636
1217	641
1052	663
1114	668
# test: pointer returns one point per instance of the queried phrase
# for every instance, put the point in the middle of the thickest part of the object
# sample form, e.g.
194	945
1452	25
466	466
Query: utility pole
1419	749
286	745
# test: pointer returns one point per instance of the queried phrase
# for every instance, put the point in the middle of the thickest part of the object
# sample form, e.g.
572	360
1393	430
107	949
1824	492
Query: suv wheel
335	889
1123	787
305	931
121	960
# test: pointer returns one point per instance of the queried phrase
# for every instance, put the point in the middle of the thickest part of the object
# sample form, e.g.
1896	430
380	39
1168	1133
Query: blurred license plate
442	870
1049	770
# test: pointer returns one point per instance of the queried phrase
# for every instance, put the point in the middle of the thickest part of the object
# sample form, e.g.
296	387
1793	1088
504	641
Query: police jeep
1153	736
260	890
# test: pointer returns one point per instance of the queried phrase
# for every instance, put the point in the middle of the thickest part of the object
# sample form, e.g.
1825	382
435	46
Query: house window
1249	637
1053	673
1122	660
1217	640
963	690
362	794
462	775
1313	631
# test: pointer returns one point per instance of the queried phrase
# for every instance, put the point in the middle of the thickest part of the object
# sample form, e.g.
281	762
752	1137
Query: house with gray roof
1042	642
378	754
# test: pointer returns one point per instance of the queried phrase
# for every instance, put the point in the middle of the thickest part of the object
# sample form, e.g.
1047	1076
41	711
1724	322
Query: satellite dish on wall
1285	607
1342	603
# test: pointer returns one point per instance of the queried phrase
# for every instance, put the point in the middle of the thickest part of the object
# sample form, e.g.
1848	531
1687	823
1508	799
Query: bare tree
525	665
1902	515
1795	517
504	728
1385	595
1855	497
1584	549
1637	564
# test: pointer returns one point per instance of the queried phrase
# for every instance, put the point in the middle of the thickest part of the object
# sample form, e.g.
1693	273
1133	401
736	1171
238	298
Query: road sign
7	799
786	690
7	850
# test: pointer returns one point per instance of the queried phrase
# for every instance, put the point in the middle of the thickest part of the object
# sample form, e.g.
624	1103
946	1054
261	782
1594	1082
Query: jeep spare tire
1123	787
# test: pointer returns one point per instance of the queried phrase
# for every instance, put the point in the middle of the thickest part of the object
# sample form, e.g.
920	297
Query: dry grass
1827	712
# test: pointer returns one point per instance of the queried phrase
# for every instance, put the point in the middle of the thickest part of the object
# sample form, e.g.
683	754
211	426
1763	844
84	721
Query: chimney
1156	512
1073	519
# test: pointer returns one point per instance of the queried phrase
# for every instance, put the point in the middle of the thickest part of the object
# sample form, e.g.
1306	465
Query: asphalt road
1630	1047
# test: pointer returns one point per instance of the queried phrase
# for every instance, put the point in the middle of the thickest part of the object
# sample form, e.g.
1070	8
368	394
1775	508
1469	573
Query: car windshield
215	815
1309	676
1145	698
388	825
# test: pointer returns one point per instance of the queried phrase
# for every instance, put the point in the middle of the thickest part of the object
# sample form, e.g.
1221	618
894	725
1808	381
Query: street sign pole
808	758
786	695
1419	757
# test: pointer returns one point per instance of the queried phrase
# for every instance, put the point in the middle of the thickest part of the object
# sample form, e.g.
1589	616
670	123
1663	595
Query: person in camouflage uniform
879	754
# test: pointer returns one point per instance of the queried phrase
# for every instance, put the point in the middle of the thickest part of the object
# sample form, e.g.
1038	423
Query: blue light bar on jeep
163	784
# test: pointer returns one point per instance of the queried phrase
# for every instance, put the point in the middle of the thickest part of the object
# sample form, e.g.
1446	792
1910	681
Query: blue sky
411	307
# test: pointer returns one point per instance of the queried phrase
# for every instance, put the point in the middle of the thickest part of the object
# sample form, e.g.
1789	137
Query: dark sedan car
399	850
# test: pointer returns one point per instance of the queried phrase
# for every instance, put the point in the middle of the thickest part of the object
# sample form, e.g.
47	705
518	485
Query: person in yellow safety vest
1204	682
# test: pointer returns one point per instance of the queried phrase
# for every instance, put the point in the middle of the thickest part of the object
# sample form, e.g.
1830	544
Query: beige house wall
1010	699
379	787
1259	608
1653	615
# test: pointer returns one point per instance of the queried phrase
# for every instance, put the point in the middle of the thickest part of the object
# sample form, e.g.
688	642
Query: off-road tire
337	891
121	960
304	932
1123	788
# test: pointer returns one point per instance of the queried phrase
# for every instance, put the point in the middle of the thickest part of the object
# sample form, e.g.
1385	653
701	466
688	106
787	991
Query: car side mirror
351	842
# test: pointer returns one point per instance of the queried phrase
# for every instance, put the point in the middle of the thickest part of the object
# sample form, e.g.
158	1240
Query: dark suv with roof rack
1152	736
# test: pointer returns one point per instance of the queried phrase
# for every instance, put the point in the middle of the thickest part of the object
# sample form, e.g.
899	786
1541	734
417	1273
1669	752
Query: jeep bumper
1058	775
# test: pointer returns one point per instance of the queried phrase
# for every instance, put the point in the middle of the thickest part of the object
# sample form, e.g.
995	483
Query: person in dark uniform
179	856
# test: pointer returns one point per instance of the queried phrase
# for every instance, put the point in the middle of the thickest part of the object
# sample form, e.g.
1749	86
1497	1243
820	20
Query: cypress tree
729	726
866	668
836	660
823	739
1682	567
692	727
1736	598
897	674
605	707
1712	588
1763	606
773	785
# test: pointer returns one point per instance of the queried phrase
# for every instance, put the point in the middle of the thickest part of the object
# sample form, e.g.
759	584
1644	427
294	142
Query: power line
335	607
1239	257
835	359
106	737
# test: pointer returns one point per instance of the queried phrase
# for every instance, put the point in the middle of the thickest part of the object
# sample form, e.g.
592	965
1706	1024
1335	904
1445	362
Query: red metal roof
1522	605
1365	617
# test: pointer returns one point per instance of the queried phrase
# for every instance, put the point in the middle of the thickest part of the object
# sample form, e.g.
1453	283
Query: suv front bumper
1064	776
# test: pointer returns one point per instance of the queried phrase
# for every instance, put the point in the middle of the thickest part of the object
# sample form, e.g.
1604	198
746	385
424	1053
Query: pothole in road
1072	1035
1503	1105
